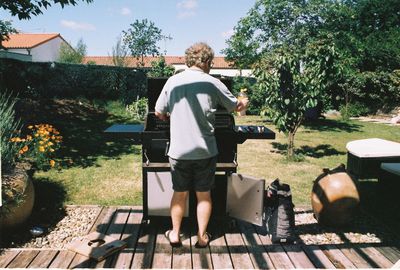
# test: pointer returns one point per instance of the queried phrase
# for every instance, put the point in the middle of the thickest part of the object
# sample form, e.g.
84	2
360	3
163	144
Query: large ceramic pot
21	197
334	197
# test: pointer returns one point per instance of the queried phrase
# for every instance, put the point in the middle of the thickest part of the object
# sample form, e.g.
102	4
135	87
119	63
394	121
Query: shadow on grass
320	151
47	212
331	125
82	127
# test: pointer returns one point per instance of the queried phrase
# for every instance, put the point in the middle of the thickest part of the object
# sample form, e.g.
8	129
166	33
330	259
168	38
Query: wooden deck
234	245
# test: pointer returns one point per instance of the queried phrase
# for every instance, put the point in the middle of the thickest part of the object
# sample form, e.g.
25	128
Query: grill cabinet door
245	198
159	194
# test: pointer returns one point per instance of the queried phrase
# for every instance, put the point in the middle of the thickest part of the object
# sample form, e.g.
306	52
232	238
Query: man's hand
162	116
242	104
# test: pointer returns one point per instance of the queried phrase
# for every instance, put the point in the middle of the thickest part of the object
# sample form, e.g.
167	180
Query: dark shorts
197	175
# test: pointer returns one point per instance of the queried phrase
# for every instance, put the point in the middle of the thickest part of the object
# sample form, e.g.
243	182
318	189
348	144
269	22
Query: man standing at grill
190	100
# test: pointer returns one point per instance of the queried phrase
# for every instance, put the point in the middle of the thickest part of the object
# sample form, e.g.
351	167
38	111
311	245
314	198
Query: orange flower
29	137
25	148
52	163
41	149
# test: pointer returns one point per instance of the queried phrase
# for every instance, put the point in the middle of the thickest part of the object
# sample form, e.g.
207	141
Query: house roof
28	41
219	62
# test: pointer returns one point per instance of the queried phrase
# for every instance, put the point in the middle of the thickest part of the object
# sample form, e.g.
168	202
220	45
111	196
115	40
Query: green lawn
109	173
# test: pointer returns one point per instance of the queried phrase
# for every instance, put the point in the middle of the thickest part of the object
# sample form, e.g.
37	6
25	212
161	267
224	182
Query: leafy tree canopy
72	55
24	9
160	68
6	28
142	38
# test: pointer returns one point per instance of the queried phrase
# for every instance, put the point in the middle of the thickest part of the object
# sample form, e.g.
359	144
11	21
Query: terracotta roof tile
219	62
27	41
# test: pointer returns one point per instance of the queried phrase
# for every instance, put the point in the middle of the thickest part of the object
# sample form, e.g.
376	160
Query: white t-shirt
191	97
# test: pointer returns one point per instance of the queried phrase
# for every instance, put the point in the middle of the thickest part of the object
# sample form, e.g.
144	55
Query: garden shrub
9	127
355	109
138	109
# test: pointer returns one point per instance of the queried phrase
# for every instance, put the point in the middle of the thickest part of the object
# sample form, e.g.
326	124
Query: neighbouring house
33	47
220	67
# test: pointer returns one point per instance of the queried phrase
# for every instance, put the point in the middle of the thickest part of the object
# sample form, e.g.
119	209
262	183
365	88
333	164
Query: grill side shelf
126	131
244	132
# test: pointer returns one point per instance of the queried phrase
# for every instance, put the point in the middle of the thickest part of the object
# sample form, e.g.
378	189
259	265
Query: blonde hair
198	54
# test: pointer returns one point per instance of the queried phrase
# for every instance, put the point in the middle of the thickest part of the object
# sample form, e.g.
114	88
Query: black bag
279	213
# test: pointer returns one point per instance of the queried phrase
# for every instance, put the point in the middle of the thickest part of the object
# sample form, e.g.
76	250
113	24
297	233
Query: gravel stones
77	222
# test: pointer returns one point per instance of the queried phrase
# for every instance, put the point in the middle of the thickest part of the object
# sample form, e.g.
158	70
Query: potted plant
20	156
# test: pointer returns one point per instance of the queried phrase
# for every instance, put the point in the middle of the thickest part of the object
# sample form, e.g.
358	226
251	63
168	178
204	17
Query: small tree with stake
294	81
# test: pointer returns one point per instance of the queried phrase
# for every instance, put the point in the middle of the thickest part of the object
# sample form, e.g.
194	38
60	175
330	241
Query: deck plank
317	256
258	255
6	257
63	259
219	251
124	258
277	254
237	248
163	251
80	261
43	259
23	259
357	257
389	252
145	247
337	257
298	256
242	247
377	257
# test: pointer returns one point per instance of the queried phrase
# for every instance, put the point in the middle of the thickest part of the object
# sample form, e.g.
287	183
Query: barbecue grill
154	138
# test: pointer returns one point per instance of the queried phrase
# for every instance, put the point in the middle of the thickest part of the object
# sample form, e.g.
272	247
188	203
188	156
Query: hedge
51	79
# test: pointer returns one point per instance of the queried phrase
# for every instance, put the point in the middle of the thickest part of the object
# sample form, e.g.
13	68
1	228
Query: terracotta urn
20	197
334	197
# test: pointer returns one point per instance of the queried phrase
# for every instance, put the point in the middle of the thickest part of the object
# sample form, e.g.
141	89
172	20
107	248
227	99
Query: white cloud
187	4
227	34
126	11
78	26
187	8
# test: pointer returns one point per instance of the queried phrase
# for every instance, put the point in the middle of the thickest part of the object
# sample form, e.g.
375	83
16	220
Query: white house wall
48	51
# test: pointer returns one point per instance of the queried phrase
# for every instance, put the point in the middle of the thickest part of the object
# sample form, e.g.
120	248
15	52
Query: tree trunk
290	148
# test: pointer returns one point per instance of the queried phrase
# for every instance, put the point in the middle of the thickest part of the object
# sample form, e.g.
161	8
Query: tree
72	55
6	28
141	39
119	54
294	81
241	50
160	68
284	39
24	9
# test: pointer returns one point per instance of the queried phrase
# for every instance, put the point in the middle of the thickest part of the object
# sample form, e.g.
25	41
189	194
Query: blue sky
101	22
